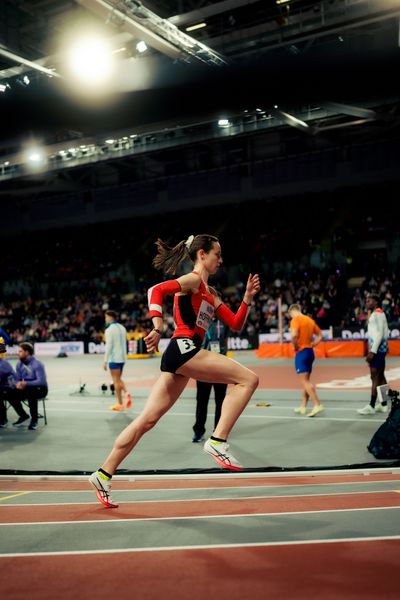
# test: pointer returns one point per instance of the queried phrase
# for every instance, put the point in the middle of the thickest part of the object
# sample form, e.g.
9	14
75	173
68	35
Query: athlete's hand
152	340
370	357
252	288
105	366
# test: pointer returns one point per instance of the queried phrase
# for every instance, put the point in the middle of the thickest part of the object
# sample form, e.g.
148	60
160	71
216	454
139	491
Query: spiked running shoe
117	407
220	453
128	400
103	489
300	410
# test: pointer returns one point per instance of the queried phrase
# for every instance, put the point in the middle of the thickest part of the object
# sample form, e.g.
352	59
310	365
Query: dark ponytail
168	259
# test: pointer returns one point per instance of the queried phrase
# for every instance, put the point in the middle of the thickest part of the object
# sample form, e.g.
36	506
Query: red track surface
227	480
189	508
334	571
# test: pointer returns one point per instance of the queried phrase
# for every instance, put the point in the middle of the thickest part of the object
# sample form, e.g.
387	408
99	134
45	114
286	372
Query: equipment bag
385	442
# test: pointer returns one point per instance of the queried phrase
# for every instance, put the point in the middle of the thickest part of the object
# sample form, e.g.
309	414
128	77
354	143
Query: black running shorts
178	352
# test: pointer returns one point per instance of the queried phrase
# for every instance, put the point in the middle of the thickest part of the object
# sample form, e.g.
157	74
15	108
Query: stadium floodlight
196	26
223	123
35	158
4	87
141	47
26	80
90	60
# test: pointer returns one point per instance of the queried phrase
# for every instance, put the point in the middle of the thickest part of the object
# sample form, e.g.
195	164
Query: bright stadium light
196	26
141	47
35	158
91	60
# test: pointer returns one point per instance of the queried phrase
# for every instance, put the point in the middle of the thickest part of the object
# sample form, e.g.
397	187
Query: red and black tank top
193	312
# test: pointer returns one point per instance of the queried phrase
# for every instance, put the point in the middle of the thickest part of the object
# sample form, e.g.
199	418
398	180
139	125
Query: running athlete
195	304
378	335
305	335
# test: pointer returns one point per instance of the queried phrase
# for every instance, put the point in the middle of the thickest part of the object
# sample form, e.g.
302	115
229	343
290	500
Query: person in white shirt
378	336
115	358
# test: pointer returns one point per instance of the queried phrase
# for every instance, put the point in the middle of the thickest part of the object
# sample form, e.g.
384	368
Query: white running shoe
381	408
220	453
300	410
316	410
367	410
103	489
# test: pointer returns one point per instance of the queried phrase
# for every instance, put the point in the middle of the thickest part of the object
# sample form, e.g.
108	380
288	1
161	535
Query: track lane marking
14	495
203	547
217	488
198	517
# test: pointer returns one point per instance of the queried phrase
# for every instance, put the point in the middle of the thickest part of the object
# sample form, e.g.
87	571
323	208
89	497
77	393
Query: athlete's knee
254	380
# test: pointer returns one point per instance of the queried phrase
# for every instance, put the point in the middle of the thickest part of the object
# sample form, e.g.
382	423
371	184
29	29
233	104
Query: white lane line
197	517
205	547
243	415
202	499
376	469
218	488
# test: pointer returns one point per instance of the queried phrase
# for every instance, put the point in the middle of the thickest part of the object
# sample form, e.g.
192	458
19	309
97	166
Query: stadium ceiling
246	52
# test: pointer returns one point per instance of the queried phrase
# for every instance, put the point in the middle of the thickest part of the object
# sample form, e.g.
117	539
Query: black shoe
197	438
21	420
33	425
3	425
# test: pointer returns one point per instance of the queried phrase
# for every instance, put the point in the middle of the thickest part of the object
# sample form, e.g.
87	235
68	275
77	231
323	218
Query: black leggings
31	393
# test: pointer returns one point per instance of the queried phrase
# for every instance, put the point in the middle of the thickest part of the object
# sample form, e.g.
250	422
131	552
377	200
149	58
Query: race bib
215	347
185	345
205	315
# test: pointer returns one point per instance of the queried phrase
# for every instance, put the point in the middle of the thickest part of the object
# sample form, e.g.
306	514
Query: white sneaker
103	489
300	410
367	410
220	453
381	408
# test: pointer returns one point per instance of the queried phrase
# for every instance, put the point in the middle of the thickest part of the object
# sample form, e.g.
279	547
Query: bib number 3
185	345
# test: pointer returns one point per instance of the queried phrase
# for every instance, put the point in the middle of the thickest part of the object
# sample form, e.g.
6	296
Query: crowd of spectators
79	314
56	284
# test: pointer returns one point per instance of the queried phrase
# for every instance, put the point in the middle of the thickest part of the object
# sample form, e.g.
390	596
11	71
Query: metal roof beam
142	23
353	111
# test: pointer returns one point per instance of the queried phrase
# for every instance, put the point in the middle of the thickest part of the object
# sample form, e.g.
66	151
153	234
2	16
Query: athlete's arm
232	320
380	331
317	336
236	321
156	294
295	339
294	334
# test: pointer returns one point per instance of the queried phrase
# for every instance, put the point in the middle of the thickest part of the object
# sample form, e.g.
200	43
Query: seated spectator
31	385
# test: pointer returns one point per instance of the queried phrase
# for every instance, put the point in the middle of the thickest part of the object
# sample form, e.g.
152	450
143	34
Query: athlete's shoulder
190	282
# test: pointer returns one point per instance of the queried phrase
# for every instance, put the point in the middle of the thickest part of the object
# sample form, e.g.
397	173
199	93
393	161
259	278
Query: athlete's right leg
309	388
164	394
217	368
